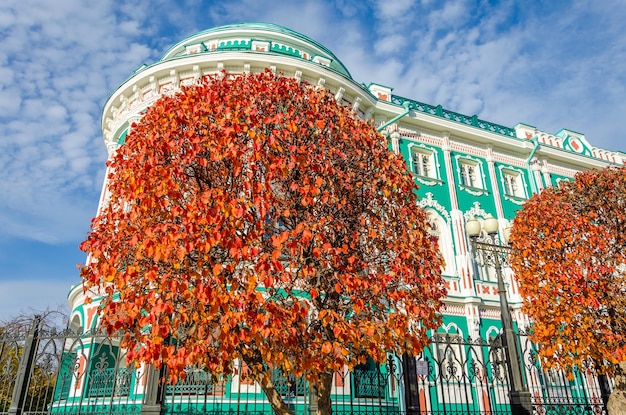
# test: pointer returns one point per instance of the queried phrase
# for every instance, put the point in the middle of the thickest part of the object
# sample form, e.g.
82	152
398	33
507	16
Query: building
466	168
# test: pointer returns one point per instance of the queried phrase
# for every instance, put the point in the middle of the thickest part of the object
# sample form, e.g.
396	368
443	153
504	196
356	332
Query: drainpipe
533	185
406	105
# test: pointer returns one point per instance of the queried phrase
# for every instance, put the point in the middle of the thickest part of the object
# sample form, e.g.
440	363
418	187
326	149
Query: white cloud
390	44
393	9
60	60
554	65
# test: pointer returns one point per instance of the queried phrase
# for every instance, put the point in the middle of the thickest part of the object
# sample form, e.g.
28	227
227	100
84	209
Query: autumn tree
252	218
569	247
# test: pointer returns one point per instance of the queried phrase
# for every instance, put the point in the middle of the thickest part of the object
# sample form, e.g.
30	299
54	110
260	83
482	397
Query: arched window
75	324
440	228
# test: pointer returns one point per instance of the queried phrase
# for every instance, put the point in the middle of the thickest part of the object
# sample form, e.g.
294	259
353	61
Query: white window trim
444	236
432	179
479	187
562	179
482	270
521	191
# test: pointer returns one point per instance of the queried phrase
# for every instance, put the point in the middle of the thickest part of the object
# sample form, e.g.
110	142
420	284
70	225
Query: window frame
514	190
432	176
478	187
440	228
422	167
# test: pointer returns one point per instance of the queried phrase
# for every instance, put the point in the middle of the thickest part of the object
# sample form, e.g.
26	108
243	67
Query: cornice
145	87
191	59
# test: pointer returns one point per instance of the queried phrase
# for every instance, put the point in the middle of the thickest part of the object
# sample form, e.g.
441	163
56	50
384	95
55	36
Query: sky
551	64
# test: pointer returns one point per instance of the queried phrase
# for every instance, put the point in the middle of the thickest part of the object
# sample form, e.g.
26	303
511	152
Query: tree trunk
323	390
276	401
617	400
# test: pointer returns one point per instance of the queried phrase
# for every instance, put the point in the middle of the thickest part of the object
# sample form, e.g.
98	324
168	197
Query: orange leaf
217	269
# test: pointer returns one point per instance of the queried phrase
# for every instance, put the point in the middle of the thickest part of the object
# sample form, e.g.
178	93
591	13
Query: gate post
20	390
411	391
313	400
521	403
605	389
153	395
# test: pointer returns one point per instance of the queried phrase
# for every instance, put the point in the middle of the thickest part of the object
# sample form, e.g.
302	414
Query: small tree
569	248
253	218
13	332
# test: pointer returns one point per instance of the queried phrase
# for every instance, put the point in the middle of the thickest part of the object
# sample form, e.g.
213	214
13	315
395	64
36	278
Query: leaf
566	242
338	288
217	269
337	331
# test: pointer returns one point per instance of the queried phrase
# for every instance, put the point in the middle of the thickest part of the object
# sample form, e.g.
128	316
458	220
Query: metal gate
469	376
48	372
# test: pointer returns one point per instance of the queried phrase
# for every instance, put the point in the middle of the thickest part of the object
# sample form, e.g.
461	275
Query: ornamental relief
429	202
475	211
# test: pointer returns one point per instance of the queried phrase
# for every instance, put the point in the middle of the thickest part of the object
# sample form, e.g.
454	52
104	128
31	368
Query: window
513	184
451	360
440	229
423	163
470	174
122	140
369	381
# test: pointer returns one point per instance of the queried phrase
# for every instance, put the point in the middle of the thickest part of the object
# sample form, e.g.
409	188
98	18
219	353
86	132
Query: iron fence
47	372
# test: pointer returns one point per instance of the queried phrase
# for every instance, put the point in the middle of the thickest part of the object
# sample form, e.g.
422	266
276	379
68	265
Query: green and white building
466	167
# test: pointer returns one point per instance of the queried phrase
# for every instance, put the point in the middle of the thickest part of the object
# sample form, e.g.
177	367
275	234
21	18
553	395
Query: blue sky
551	64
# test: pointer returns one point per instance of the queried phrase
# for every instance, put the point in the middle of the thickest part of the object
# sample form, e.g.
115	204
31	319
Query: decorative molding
560	170
488	154
420	137
430	202
473	190
450	327
395	146
428	182
510	160
453	310
490	313
468	149
475	211
339	94
166	77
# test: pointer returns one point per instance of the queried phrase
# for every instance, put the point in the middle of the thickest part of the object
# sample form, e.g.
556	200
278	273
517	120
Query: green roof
239	37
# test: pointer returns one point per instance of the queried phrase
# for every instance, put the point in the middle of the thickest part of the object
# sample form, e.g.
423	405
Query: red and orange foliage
252	217
569	248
